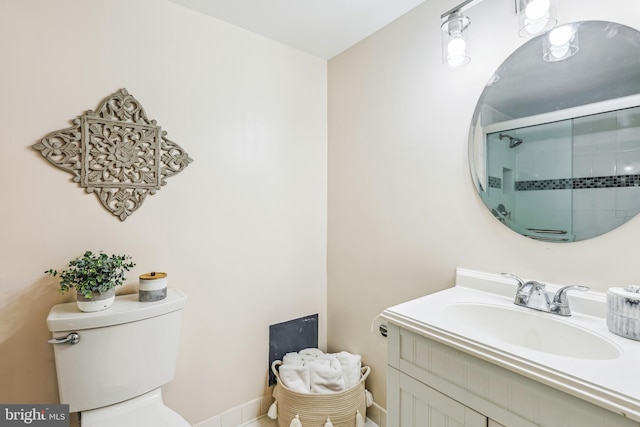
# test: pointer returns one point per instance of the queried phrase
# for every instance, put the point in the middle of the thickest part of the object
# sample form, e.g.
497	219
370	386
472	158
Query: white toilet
113	363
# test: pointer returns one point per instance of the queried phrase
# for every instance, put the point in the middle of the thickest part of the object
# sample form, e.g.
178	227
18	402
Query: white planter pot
97	302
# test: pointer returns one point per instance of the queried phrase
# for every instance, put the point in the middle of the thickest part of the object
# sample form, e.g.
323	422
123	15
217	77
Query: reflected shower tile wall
597	210
541	143
547	209
605	221
582	224
628	161
604	199
583	200
495	182
583	164
627	201
604	164
628	137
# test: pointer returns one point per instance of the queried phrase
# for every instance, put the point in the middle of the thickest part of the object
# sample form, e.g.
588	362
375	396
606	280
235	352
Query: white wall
403	212
242	230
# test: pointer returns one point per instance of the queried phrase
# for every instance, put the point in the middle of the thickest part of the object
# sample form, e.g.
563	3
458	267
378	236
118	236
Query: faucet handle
530	294
561	296
528	287
513	276
560	303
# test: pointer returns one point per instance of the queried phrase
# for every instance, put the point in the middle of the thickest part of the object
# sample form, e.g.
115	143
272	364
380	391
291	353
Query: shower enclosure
565	180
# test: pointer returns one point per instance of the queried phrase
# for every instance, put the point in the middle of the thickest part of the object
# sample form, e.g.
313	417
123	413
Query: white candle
153	286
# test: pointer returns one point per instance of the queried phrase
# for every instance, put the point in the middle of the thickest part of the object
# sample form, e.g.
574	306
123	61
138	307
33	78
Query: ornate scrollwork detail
116	153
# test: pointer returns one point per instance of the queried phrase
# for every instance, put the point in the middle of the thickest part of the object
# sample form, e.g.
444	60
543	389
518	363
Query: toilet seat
145	410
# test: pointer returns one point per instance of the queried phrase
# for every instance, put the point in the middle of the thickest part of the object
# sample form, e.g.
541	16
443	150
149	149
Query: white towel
310	354
293	359
295	377
351	368
325	375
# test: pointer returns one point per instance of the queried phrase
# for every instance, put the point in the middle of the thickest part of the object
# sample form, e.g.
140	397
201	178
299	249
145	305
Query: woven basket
313	409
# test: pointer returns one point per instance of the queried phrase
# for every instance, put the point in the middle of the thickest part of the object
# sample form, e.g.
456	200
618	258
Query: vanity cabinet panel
503	397
421	406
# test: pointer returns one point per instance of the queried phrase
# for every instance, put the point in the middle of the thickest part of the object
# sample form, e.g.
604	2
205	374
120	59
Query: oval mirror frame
554	141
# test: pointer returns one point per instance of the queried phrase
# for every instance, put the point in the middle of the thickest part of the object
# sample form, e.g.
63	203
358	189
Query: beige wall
242	230
403	213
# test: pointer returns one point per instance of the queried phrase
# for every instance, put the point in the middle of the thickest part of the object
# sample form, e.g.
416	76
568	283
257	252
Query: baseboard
377	414
239	415
257	408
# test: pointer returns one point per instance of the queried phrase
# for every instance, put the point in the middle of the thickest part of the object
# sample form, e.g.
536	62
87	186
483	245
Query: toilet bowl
112	364
146	410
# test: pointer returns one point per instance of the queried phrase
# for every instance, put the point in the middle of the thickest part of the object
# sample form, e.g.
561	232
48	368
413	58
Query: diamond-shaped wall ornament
116	153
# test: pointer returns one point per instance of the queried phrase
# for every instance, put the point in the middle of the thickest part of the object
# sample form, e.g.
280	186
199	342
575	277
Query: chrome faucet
532	294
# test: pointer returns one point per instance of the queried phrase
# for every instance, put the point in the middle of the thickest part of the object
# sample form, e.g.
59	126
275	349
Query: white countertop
612	383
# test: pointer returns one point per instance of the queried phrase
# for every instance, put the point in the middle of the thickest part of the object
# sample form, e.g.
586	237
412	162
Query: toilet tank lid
127	308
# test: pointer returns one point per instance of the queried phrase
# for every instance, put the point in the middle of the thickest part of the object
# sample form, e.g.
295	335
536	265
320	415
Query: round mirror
554	143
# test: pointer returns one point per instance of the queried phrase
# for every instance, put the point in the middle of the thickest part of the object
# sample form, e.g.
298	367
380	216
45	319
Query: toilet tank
123	352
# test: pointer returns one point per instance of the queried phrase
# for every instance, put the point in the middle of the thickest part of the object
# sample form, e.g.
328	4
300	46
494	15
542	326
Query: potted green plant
94	277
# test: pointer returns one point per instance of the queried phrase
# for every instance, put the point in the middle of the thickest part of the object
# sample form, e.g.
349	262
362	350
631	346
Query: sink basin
529	329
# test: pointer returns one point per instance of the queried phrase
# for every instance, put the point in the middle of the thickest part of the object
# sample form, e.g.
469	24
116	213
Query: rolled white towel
310	354
351	368
292	359
295	377
325	374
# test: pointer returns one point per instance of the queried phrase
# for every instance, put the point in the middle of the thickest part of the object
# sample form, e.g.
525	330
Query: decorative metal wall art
116	153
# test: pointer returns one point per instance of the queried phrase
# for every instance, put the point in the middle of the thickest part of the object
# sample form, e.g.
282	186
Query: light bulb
561	43
537	9
456	47
456	50
560	51
560	36
456	61
536	26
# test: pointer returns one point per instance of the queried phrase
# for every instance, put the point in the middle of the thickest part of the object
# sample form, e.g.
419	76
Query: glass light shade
455	41
535	16
561	43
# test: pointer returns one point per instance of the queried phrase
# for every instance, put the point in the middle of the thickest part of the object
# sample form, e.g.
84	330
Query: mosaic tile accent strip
545	184
613	181
495	182
608	181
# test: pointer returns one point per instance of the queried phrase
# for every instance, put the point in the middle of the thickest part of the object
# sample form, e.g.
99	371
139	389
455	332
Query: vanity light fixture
455	39
535	16
455	35
561	43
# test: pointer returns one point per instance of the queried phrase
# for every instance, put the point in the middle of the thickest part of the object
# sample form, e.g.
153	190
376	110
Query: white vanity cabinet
414	404
430	384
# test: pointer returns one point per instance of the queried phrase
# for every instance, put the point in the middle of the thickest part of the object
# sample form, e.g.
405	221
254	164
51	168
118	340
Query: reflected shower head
513	142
